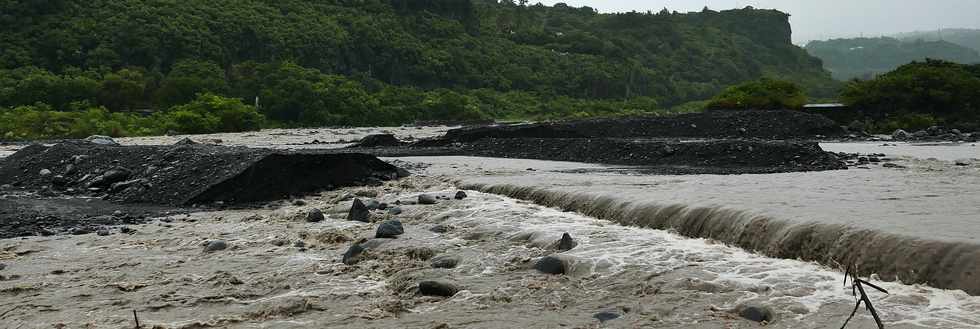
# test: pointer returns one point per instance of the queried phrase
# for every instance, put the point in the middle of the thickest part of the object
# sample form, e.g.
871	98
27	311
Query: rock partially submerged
379	140
359	212
190	174
389	229
551	265
439	288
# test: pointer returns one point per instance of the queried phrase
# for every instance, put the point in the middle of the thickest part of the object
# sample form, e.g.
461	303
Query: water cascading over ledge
946	265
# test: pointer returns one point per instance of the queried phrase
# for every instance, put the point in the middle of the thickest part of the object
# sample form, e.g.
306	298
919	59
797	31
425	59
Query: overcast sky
824	19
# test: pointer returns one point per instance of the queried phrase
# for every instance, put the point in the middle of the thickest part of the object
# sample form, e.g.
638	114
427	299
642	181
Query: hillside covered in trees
969	38
864	58
375	62
918	95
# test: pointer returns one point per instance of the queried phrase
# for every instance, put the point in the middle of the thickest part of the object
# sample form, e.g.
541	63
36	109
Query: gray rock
395	210
110	177
437	288
299	244
427	199
956	132
353	254
900	135
566	243
59	180
359	212
186	141
441	228
299	202
215	245
389	229
935	131
892	165
101	140
605	316
963	162
920	134
379	140
314	216
279	242
382	206
550	265
446	261
2	267
755	313
460	195
372	204
44	172
103	232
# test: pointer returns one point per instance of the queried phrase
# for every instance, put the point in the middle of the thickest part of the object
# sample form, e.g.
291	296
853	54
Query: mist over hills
865	58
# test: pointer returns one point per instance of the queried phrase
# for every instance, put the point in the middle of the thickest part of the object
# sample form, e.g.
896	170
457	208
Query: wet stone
215	245
382	206
359	212
299	244
390	229
446	261
314	216
550	265
437	288
372	204
566	243
353	254
395	210
755	313
460	195
441	228
605	316
103	232
427	199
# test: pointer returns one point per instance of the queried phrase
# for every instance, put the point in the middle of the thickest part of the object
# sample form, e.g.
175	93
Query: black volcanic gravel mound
734	156
186	174
710	124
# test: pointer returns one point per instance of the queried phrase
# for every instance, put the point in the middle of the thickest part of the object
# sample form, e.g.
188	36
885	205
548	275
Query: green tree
762	94
188	78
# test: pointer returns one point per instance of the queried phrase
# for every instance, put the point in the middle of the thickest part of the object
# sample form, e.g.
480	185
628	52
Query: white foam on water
612	248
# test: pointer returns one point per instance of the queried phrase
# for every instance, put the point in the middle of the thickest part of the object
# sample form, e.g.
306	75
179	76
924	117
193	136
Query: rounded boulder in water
755	313
605	316
359	212
353	254
566	243
389	229
427	199
215	245
460	195
395	210
446	261
551	265
372	204
314	216
437	288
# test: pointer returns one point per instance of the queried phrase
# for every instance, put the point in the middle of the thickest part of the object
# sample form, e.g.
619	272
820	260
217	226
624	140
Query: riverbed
647	277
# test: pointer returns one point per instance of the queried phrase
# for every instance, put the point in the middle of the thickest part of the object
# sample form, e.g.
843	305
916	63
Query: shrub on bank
762	94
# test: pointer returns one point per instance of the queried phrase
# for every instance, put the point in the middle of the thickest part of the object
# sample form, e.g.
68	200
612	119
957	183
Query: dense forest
864	58
369	62
919	95
969	38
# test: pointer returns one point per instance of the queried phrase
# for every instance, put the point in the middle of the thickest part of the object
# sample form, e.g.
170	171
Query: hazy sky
823	19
